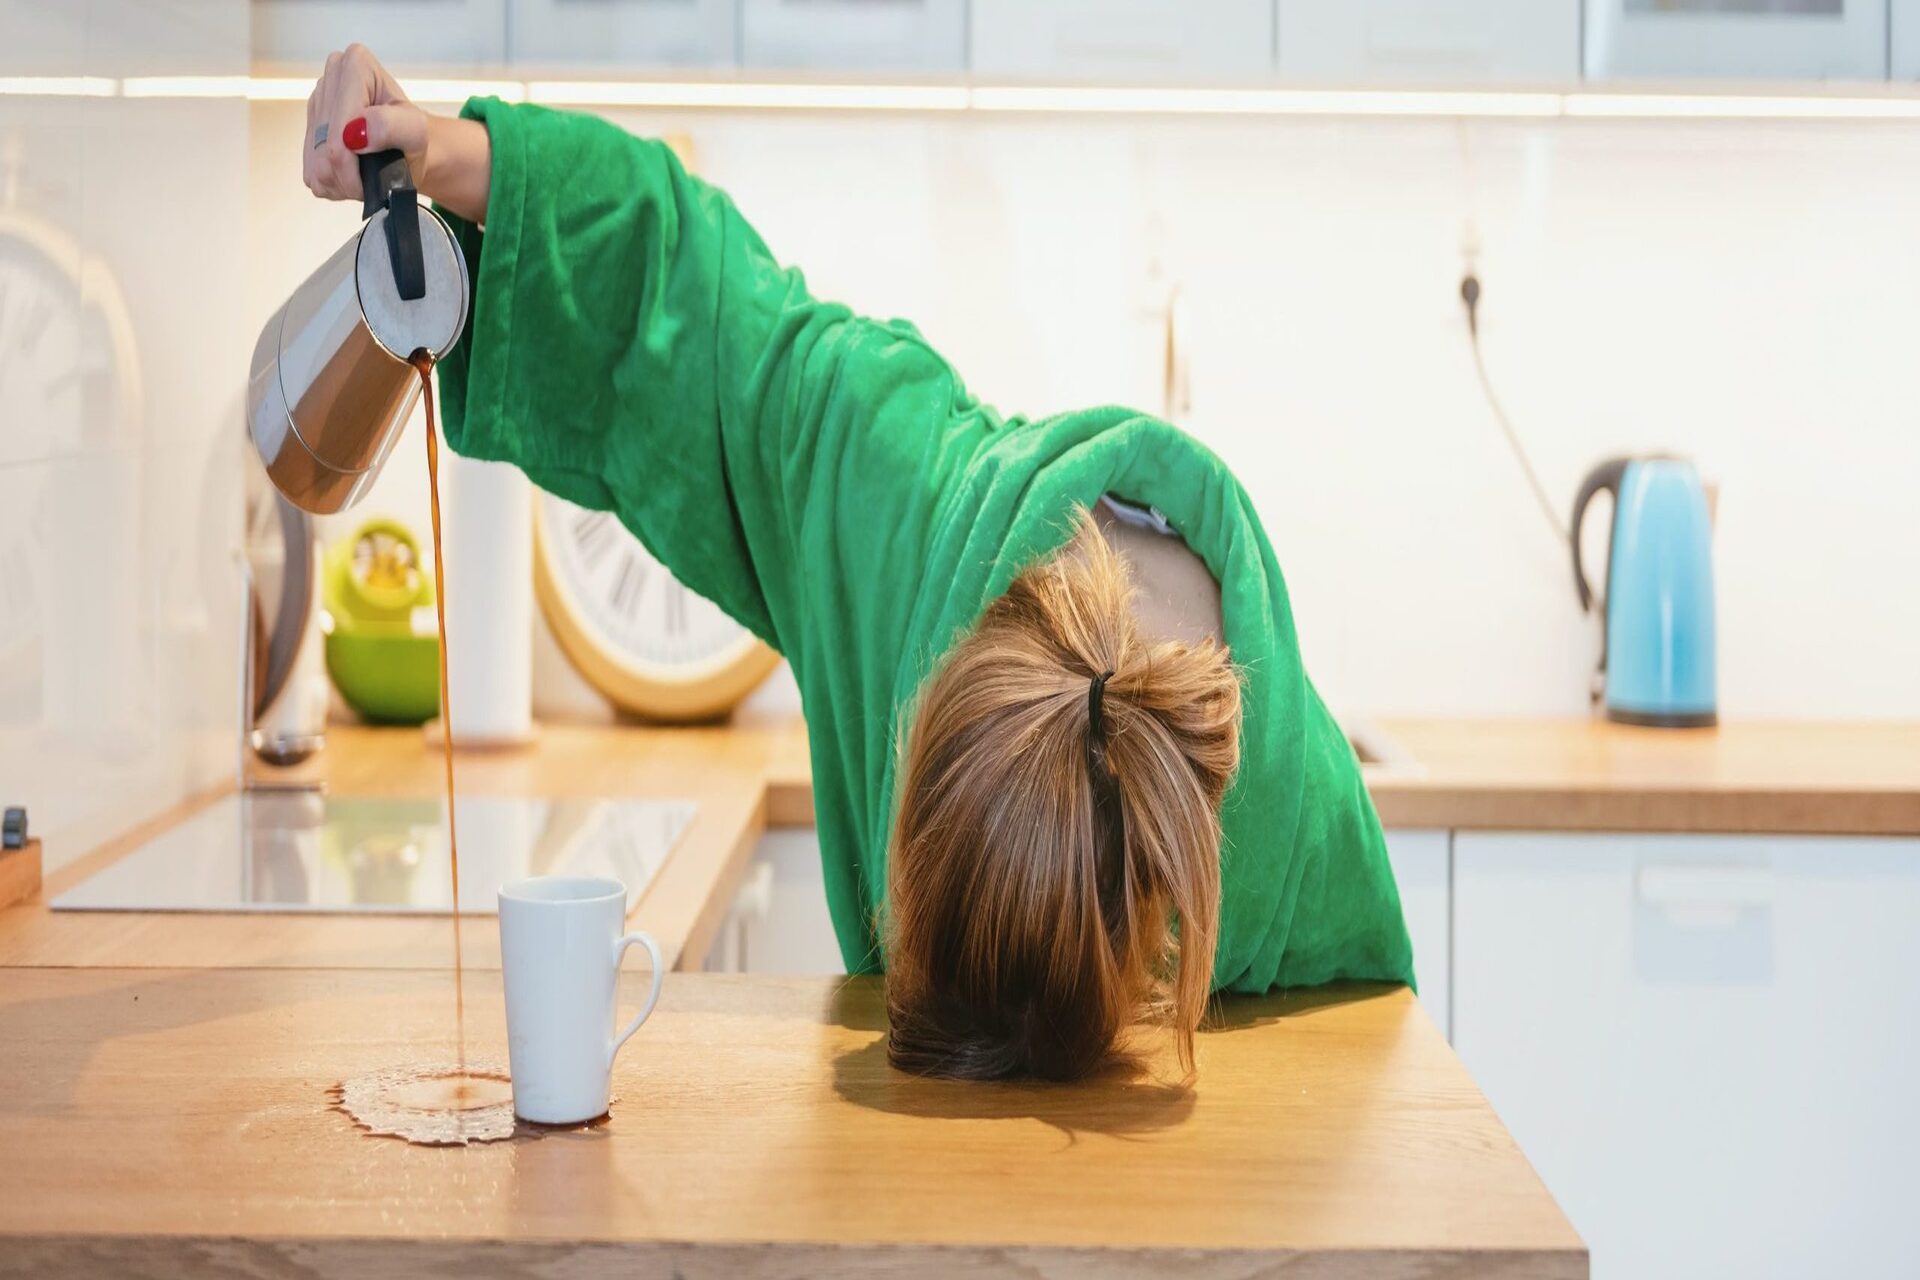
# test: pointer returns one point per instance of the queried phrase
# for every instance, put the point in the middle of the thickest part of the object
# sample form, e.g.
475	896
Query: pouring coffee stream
336	373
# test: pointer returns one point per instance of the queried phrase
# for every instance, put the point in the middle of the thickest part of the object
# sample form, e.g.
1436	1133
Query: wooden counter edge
351	1259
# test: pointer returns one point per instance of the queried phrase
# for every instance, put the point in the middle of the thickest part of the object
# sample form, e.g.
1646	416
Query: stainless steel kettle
331	386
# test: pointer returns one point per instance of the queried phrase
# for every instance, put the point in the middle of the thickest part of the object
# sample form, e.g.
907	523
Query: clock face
42	370
606	594
66	361
54	353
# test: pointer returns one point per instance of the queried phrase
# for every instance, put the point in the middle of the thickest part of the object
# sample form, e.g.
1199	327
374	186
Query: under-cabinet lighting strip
1026	99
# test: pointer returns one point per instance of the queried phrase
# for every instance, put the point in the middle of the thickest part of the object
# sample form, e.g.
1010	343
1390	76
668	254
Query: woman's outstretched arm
633	346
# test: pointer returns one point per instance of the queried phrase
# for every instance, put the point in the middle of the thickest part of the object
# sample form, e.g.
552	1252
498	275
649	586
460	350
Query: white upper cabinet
1903	40
622	33
1123	40
1751	39
1430	41
854	35
402	33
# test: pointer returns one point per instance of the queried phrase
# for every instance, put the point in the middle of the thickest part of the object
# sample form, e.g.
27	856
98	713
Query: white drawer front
1706	1044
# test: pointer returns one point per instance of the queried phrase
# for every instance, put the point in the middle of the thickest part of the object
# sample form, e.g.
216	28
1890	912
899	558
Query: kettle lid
431	322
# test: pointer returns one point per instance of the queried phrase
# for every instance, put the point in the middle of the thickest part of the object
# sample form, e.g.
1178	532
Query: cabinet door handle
1705	886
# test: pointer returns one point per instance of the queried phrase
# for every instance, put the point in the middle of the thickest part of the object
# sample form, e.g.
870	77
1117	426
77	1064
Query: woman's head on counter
1059	813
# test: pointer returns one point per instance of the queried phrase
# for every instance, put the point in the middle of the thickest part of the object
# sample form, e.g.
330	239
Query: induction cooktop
379	855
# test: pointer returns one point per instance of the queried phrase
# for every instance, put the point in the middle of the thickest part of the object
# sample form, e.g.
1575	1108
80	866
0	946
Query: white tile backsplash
119	423
1744	292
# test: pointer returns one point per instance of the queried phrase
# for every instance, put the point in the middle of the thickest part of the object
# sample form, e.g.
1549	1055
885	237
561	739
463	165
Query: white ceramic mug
560	950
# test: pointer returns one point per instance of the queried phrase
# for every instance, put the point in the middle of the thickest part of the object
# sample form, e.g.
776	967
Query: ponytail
1055	871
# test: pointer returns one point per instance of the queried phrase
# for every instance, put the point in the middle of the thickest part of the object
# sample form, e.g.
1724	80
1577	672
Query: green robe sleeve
827	480
633	347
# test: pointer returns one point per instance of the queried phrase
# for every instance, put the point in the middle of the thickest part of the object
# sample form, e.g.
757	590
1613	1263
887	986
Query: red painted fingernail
355	134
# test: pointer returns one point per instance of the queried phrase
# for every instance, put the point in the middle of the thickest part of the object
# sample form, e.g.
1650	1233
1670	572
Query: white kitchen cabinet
1903	39
1421	866
780	923
854	35
1705	1044
404	33
1752	39
1430	41
623	33
1188	40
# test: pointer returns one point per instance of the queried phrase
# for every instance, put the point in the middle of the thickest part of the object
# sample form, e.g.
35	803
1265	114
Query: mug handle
653	996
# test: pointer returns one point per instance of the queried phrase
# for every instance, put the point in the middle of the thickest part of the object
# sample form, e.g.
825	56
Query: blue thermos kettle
1657	658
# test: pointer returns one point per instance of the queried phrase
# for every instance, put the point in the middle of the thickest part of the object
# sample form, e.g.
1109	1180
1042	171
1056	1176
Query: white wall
125	354
1746	292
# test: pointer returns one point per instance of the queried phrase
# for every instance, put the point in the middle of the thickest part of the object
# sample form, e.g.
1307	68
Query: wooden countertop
175	1121
1572	775
1783	777
725	771
1860	778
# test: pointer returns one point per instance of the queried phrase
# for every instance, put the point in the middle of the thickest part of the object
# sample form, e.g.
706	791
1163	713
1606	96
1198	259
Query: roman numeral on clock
593	536
627	583
677	610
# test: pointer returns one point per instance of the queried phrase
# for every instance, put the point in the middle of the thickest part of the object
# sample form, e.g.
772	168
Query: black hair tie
1096	695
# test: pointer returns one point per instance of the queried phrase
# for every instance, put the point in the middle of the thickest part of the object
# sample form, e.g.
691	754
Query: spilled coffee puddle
440	1105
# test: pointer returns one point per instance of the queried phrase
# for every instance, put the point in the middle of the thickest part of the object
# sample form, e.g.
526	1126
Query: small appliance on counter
381	648
283	689
1657	655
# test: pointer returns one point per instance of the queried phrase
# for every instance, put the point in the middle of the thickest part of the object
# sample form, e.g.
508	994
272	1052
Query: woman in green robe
1069	775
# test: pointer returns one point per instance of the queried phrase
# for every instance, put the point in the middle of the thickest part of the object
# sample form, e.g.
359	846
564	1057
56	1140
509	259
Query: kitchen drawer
403	33
1123	39
1421	866
1430	41
854	35
622	33
1750	39
1705	1044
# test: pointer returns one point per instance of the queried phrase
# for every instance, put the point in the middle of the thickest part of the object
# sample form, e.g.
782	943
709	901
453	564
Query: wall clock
654	648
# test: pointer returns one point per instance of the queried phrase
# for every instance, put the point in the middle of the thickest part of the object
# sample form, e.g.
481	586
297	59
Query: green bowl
389	677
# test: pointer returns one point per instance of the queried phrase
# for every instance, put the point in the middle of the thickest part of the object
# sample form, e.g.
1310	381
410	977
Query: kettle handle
1608	475
387	183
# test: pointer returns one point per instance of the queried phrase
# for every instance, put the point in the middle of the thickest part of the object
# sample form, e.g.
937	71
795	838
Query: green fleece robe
829	481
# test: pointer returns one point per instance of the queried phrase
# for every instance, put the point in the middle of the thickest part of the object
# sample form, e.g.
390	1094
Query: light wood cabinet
1125	40
1430	41
1705	1044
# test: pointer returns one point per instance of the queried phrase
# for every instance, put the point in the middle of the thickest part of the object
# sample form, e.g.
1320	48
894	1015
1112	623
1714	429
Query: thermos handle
1608	475
386	183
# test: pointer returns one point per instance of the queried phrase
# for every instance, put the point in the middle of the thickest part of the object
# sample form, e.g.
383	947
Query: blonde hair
1048	837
